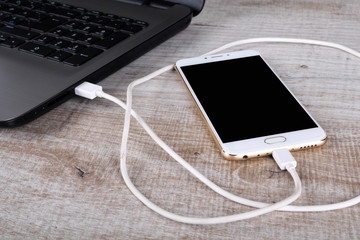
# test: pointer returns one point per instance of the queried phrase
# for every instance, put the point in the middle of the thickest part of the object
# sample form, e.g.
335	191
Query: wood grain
59	175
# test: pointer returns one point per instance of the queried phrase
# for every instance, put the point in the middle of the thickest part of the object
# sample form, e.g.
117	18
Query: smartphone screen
244	99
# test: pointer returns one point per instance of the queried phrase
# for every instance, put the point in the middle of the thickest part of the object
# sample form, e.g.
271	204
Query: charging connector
88	90
284	159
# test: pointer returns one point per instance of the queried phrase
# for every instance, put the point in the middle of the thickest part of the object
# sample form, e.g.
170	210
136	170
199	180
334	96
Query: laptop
47	48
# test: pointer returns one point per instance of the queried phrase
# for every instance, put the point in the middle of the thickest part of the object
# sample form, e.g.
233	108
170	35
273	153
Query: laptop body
34	81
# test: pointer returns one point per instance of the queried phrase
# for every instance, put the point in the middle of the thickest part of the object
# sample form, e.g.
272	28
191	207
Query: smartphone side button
273	140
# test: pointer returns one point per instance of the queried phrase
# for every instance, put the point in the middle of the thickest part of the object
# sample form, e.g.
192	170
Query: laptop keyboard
61	32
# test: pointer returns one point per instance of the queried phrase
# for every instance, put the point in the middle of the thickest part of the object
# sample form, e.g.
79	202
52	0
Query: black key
125	19
47	24
3	7
15	2
59	43
12	42
36	49
45	8
86	17
100	20
89	39
73	35
3	36
53	3
25	3
38	16
86	28
59	32
14	20
83	56
132	28
44	39
65	12
111	40
66	6
111	16
33	4
115	24
12	9
25	24
72	24
94	12
59	56
80	9
74	47
4	16
141	23
26	13
22	33
101	32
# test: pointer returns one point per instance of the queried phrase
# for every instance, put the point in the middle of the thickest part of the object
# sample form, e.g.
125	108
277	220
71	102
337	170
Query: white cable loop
263	207
193	220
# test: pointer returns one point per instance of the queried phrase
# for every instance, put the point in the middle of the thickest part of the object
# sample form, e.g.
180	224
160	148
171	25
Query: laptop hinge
195	5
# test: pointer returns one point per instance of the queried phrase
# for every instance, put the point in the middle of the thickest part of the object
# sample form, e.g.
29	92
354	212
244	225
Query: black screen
244	99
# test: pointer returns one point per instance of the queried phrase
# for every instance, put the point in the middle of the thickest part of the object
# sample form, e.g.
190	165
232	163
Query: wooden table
59	175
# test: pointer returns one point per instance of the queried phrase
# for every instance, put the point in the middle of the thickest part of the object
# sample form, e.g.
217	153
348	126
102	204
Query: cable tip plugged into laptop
88	90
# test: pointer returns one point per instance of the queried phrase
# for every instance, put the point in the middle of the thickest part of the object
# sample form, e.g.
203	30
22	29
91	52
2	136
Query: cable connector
284	159
88	90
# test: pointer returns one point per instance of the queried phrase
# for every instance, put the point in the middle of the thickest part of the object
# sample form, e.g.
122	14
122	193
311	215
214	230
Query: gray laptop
47	47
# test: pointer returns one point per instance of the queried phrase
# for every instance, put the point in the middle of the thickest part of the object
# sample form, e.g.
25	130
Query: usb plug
284	159
88	90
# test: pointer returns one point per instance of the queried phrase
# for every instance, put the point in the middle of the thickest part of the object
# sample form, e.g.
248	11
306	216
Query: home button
273	140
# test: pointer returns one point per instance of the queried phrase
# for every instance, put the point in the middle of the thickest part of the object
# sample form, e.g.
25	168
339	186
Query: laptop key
86	28
115	24
86	17
36	49
83	56
100	20
74	47
24	3
111	40
59	43
66	12
17	32
44	39
101	32
73	35
13	20
12	42
132	28
4	36
72	24
47	24
59	56
88	39
59	32
12	9
26	13
45	8
38	16
141	23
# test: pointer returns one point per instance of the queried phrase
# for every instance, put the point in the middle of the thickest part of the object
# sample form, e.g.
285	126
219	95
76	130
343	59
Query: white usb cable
282	157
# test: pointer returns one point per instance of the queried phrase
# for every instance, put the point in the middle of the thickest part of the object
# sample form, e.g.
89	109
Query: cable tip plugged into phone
284	159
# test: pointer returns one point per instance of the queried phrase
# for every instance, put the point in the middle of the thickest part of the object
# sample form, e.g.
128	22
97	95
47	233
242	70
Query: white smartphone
248	109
